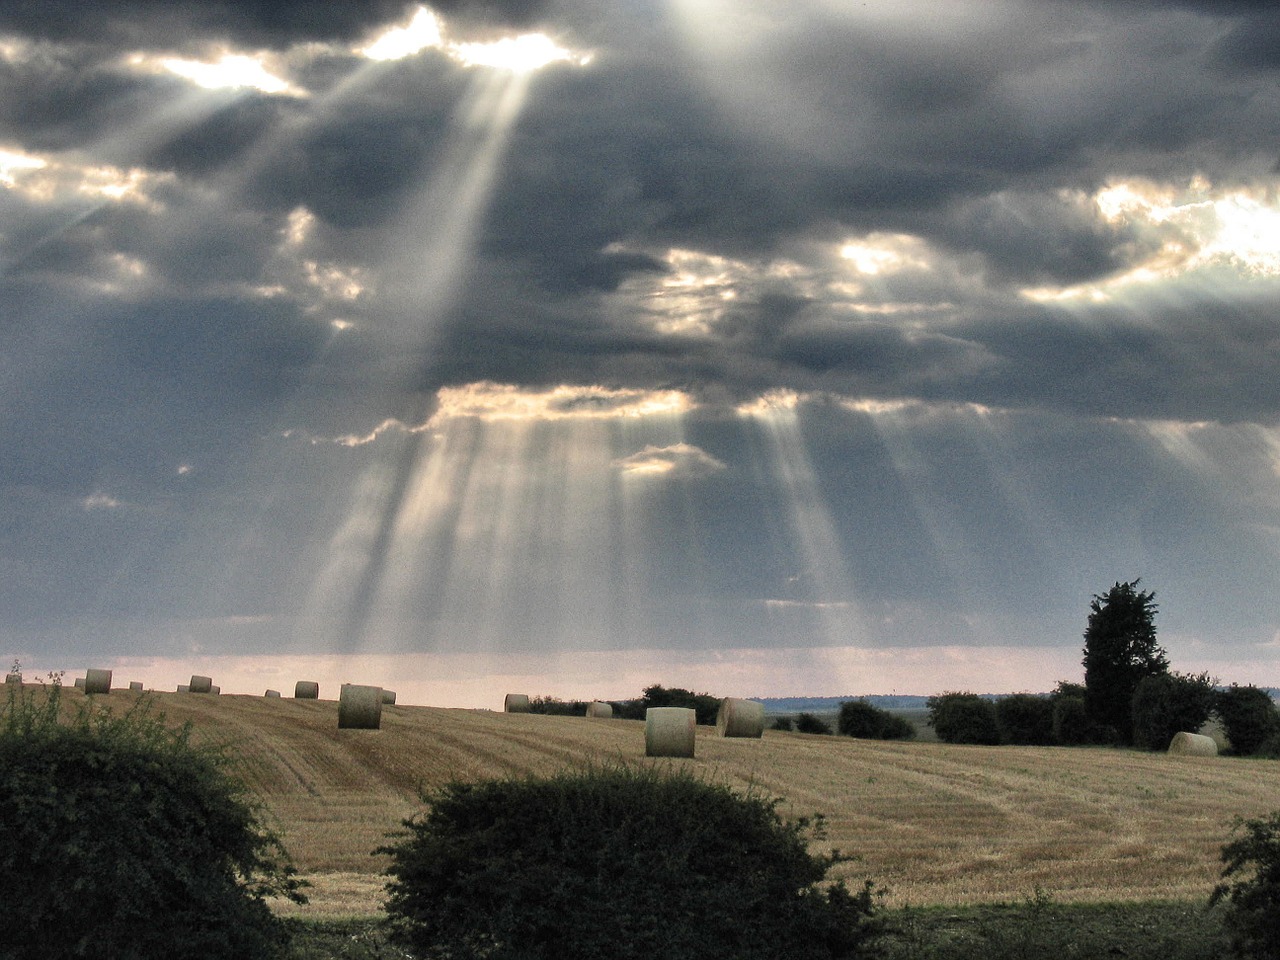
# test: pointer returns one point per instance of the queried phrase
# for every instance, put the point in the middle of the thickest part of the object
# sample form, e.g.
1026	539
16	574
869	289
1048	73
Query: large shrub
618	862
120	838
1071	724
812	723
1249	717
963	718
1165	704
861	718
1251	887
704	705
1024	718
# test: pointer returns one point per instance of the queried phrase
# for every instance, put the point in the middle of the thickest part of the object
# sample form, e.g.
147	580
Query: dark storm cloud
178	352
148	22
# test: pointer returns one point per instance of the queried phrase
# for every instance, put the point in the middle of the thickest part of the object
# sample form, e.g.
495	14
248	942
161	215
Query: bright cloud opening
422	32
427	31
12	164
522	54
880	253
493	401
1197	228
231	71
676	461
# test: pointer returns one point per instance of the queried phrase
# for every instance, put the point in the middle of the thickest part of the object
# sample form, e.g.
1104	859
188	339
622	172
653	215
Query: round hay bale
272	693
79	684
184	688
600	709
199	684
516	703
740	718
215	689
97	681
306	690
359	707
669	731
388	698
13	678
1193	745
135	684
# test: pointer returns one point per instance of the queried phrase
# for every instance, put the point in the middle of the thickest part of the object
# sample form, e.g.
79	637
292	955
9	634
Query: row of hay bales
672	731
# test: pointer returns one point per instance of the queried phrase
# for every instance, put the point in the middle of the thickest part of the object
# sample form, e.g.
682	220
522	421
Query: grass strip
1033	929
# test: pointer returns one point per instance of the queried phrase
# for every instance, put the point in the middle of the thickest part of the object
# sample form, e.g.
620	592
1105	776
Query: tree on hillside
1120	649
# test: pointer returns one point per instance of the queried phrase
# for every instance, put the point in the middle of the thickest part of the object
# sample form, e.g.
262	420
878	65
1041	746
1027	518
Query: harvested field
936	824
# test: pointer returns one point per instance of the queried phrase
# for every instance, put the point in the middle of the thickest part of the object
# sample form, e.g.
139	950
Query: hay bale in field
600	709
199	684
306	690
740	718
359	707
13	678
135	684
388	698
79	684
184	688
1193	745
669	731
272	693
516	703
215	689
97	681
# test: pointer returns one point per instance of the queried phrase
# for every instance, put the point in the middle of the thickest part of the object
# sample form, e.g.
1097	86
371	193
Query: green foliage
1120	649
1249	717
784	723
963	718
1252	898
121	838
1024	718
557	707
615	862
1167	703
1071	724
1039	928
812	723
861	718
703	704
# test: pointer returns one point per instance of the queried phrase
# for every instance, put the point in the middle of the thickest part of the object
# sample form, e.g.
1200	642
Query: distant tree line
704	705
1129	697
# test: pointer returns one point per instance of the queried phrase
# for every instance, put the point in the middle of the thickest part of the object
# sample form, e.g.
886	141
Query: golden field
934	823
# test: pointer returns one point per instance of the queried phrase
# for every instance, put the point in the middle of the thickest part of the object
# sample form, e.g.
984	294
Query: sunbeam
827	589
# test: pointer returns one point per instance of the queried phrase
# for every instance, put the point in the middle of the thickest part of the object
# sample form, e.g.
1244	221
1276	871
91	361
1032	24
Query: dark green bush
861	718
963	718
704	705
556	707
1024	718
783	723
812	723
1252	898
1249	717
617	862
120	838
1071	724
1166	703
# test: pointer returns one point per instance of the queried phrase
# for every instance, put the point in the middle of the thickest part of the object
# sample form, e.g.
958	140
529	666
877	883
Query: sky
769	349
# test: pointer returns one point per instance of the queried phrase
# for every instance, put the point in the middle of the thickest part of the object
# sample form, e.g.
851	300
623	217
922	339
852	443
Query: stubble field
935	824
